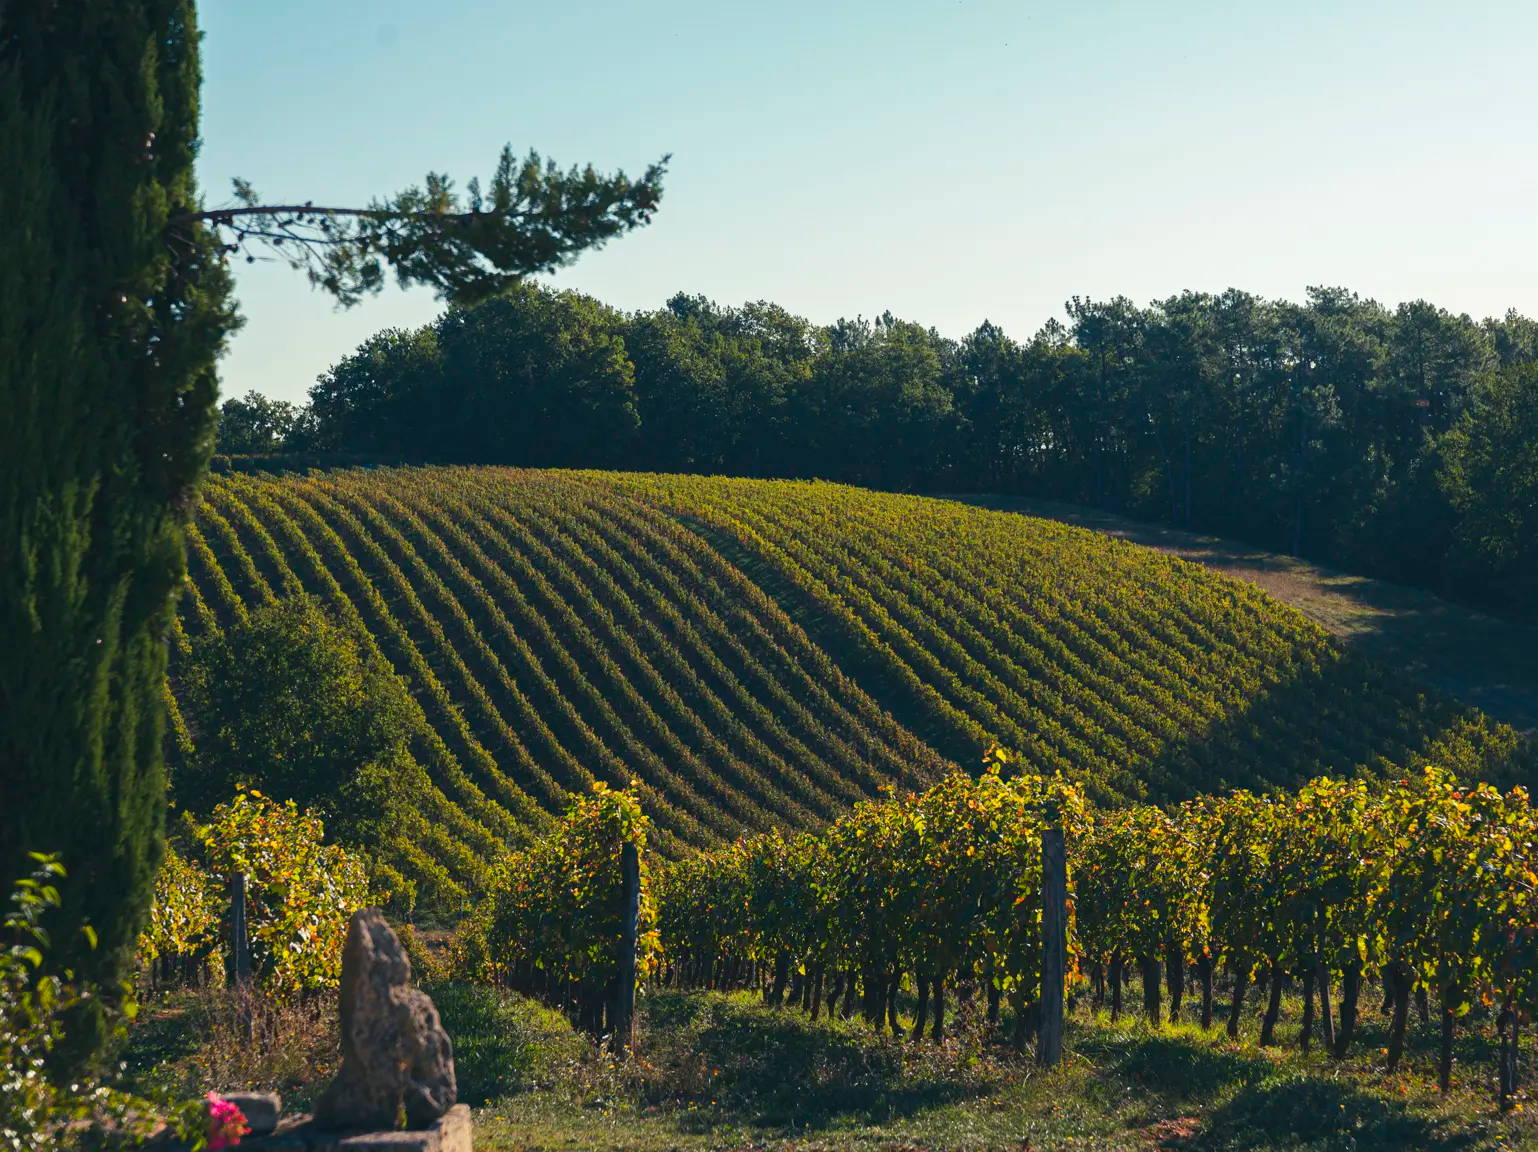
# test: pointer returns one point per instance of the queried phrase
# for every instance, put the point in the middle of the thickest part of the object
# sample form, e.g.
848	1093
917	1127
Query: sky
948	160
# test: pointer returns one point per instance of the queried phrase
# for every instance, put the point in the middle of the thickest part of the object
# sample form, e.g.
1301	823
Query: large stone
396	1058
261	1109
451	1132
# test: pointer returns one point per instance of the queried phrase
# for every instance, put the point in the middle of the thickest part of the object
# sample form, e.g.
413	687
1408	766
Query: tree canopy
253	424
1397	441
291	704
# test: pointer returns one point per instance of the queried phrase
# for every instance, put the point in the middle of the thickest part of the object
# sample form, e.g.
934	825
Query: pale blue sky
950	161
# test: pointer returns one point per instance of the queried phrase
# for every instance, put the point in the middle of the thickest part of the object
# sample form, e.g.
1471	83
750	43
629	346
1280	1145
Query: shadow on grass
737	1064
1296	1110
503	1044
160	1039
1169	1066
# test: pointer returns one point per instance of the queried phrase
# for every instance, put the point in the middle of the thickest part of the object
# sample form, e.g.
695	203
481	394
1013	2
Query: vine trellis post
1054	940
623	1015
240	954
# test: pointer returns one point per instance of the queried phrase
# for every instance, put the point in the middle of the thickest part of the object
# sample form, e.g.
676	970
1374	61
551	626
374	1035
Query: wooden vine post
1506	1069
240	955
623	1023
1054	940
240	938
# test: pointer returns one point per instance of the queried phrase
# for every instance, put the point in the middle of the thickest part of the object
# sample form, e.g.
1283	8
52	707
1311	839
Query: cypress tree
108	336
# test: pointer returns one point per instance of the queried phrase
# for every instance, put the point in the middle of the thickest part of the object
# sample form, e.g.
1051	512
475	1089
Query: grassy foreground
717	1072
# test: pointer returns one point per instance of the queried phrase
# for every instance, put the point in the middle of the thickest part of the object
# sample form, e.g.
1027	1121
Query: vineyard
760	655
1421	883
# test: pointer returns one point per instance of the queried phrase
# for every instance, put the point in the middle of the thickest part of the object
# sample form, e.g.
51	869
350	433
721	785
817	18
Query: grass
717	1071
191	1040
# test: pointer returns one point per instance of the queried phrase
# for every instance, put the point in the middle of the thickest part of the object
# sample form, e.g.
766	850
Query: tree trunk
622	1010
1204	974
1054	945
921	1012
937	1034
1506	1068
1306	1029
849	992
872	1003
1326	1012
1152	997
1445	1056
240	937
893	987
1236	1005
1350	990
1273	1010
1115	987
781	974
1398	979
1175	978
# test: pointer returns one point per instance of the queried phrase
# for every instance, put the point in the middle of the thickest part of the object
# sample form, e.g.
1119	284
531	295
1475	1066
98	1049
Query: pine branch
534	217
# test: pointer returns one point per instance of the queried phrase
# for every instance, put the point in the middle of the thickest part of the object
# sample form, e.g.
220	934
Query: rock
396	1057
451	1132
261	1109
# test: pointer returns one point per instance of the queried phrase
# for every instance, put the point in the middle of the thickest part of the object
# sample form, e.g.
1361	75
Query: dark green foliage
531	375
1336	428
113	308
254	425
1491	477
368	399
108	335
38	1108
533	217
289	703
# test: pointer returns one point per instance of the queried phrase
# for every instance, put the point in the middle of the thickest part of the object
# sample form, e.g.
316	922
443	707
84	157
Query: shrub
300	893
37	1110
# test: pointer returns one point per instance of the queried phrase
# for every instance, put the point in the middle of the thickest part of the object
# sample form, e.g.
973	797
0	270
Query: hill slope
1488	661
765	652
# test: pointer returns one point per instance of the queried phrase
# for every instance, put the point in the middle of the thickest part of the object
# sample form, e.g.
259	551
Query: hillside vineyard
762	654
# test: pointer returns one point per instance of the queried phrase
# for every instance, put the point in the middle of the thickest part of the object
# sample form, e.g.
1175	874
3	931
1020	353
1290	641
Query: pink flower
226	1123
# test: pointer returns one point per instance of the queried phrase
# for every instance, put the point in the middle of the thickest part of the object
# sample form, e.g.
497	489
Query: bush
37	1111
185	916
245	1040
300	893
552	922
289	702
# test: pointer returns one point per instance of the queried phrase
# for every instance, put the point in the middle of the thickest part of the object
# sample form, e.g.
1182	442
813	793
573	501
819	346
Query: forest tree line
1400	442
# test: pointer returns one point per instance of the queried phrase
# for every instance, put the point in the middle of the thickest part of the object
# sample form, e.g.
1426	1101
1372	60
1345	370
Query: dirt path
1490	662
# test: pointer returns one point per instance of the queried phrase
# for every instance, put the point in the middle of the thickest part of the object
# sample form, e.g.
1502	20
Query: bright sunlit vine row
1419	882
